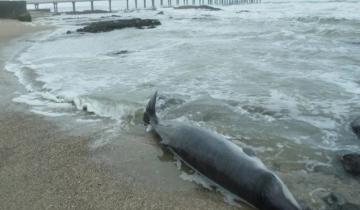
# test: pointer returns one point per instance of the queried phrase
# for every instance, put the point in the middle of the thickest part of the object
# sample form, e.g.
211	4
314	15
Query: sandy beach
45	167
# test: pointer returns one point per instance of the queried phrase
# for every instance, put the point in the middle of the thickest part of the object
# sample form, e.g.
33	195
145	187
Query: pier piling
73	6
55	7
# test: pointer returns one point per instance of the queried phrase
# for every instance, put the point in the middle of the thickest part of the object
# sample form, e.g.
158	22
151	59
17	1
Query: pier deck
36	3
170	3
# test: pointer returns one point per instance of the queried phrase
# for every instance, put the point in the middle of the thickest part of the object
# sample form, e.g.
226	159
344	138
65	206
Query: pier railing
162	3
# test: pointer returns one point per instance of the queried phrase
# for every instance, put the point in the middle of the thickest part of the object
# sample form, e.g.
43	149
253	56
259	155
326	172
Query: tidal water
281	77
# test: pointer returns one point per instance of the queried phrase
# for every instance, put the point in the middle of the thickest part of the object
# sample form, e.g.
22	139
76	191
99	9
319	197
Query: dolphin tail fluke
150	112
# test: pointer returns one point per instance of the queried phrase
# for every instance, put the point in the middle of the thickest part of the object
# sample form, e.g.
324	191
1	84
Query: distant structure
12	9
169	3
36	3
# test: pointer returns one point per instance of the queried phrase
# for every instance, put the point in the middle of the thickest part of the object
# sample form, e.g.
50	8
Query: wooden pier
55	3
169	3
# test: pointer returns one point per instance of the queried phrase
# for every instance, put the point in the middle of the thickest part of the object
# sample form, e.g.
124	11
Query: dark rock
335	201
25	17
243	11
351	163
104	26
68	32
121	52
160	13
205	7
355	125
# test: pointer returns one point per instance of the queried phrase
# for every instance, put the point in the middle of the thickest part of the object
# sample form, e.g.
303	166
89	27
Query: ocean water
281	77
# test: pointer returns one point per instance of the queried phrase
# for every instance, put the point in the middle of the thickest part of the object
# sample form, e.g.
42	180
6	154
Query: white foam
50	113
16	68
104	108
30	99
87	120
196	178
149	128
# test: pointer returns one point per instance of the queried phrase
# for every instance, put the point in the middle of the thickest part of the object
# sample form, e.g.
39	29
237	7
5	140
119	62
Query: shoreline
42	166
12	32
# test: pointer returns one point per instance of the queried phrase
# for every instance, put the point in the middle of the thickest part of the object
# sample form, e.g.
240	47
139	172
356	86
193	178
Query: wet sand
43	166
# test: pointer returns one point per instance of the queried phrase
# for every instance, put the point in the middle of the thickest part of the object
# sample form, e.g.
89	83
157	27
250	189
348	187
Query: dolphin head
276	196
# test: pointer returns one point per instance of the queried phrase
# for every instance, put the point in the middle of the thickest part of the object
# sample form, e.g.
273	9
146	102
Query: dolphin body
223	162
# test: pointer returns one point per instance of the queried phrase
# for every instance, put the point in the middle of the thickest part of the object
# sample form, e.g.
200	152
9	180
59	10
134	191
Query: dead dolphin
223	162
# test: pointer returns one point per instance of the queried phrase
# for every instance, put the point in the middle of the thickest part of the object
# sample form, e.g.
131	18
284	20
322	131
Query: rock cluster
104	26
25	17
351	163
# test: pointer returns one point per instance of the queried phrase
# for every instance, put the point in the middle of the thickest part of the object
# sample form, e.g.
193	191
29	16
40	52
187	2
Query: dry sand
44	167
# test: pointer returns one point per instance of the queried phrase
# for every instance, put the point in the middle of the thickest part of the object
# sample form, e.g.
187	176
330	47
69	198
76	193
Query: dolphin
223	162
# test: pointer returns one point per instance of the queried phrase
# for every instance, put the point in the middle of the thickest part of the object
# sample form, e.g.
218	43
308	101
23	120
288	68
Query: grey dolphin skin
223	162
